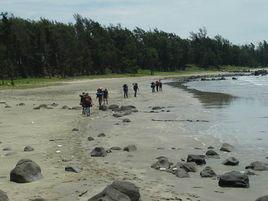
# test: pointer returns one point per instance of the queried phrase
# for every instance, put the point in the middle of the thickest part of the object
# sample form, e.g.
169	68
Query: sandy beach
56	145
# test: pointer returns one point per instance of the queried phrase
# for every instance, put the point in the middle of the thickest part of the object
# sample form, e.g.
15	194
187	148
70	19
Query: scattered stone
66	107
7	106
101	135
75	129
7	149
116	148
21	104
76	108
118	191
130	148
38	199
3	196
25	171
250	173
103	108
128	107
98	152
162	163
226	147
117	115
212	154
73	169
234	179
181	173
113	107
157	108
188	167
42	106
232	161
126	120
54	105
90	138
28	148
264	198
198	159
208	172
258	166
210	147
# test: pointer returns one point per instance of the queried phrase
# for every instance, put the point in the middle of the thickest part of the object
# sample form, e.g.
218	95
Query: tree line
46	48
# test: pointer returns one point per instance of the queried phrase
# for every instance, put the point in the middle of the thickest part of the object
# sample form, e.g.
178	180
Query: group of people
156	86
135	89
86	100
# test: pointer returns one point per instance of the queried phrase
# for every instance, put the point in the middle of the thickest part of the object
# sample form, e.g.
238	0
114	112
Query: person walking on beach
82	102
135	88
99	95
125	89
157	85
105	96
153	87
160	85
88	104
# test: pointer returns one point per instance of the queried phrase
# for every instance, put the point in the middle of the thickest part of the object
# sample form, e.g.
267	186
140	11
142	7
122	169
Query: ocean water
238	110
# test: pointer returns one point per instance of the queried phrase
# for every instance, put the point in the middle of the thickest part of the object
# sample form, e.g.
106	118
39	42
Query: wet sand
49	132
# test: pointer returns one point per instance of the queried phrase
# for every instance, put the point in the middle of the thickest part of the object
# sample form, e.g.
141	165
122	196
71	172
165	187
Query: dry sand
49	132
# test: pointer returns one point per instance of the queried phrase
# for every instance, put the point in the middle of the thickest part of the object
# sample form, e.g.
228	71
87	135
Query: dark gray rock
101	135
90	138
3	196
198	159
118	191
38	199
75	129
210	147
117	115
98	152
42	106
208	172
234	179
162	164
7	149
258	166
113	107
74	169
54	105
188	167
130	148
181	173
157	108
116	148
212	154
103	108
76	108
226	147
127	107
25	171
232	161
66	107
7	106
28	148
264	198
126	120
21	104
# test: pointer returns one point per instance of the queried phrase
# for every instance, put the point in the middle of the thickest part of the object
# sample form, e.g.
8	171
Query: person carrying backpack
135	88
88	104
125	90
153	87
99	95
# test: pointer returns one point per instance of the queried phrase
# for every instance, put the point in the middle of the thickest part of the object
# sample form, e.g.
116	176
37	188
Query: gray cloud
241	21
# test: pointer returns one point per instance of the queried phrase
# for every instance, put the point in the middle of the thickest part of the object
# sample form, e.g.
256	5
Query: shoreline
173	139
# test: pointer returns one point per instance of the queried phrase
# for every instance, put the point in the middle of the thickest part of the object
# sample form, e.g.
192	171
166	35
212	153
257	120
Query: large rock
162	164
234	179
180	172
264	198
198	159
212	154
130	148
227	147
98	152
74	169
232	161
118	191
208	172
25	171
127	107
42	106
28	148
3	196
258	166
188	167
113	107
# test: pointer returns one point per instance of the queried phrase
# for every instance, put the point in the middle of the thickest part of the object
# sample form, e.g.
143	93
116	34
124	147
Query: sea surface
238	110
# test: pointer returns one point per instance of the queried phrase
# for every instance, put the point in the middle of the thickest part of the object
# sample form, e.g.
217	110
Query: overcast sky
240	21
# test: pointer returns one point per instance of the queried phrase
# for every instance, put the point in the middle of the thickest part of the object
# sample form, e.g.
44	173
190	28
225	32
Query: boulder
188	167
157	108
226	147
42	106
212	154
116	148
113	107
54	105
234	179
3	196
21	104
264	198
73	169
126	120
198	159
25	171
130	148
118	191
258	166
90	138
232	161
66	107
208	172
181	173
101	135
28	148
75	129
98	152
127	107
162	164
